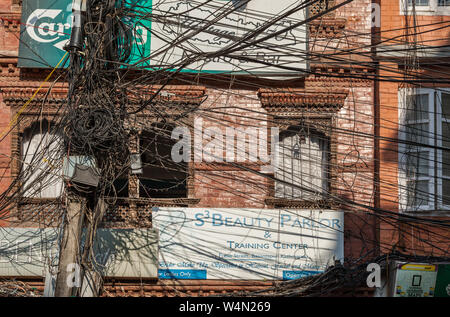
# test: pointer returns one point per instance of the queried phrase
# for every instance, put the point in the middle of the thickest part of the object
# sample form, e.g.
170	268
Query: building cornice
10	21
327	28
299	100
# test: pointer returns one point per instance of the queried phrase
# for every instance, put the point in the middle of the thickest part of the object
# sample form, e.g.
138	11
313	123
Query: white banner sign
226	28
213	243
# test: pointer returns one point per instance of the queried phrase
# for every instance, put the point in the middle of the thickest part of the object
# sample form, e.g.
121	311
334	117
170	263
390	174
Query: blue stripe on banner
182	274
292	275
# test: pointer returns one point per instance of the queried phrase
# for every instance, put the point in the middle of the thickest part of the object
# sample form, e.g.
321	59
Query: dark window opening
119	187
161	177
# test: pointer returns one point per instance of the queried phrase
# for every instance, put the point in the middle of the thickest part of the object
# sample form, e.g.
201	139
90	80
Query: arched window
41	161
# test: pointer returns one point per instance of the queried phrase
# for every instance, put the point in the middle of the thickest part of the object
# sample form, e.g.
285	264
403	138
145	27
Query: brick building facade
426	30
336	98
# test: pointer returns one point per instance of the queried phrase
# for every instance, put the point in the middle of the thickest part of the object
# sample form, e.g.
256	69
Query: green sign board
443	281
46	27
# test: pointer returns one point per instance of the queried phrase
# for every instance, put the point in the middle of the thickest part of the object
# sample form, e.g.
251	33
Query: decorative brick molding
315	109
320	6
8	69
326	79
171	288
10	21
16	96
137	212
339	73
228	166
193	288
327	28
294	101
300	204
170	94
128	214
32	212
121	213
180	94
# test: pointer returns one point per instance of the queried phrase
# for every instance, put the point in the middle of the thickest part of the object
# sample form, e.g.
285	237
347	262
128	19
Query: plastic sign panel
251	244
26	251
224	36
127	253
415	280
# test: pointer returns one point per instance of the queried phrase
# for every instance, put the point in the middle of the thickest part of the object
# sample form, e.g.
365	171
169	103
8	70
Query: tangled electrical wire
95	130
337	280
12	288
112	85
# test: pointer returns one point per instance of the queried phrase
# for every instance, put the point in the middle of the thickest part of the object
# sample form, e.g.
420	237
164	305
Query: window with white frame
41	158
424	137
425	7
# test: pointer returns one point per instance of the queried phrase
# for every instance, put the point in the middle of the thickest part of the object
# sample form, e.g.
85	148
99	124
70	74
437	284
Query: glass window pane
417	107
445	105
446	134
41	152
418	2
418	133
446	163
417	164
418	193
446	191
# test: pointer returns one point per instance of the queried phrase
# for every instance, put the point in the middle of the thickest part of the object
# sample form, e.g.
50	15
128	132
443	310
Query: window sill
427	12
427	213
275	202
163	202
30	200
137	212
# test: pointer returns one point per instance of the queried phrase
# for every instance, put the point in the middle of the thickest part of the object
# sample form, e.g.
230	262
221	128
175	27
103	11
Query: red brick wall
8	47
408	237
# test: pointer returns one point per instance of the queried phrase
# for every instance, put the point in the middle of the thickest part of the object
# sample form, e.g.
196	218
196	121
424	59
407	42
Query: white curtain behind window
41	154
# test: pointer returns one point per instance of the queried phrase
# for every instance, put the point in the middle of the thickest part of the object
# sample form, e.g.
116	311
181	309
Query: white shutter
42	165
308	170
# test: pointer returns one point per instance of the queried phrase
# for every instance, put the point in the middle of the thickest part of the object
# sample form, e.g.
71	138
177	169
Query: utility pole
68	268
69	275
